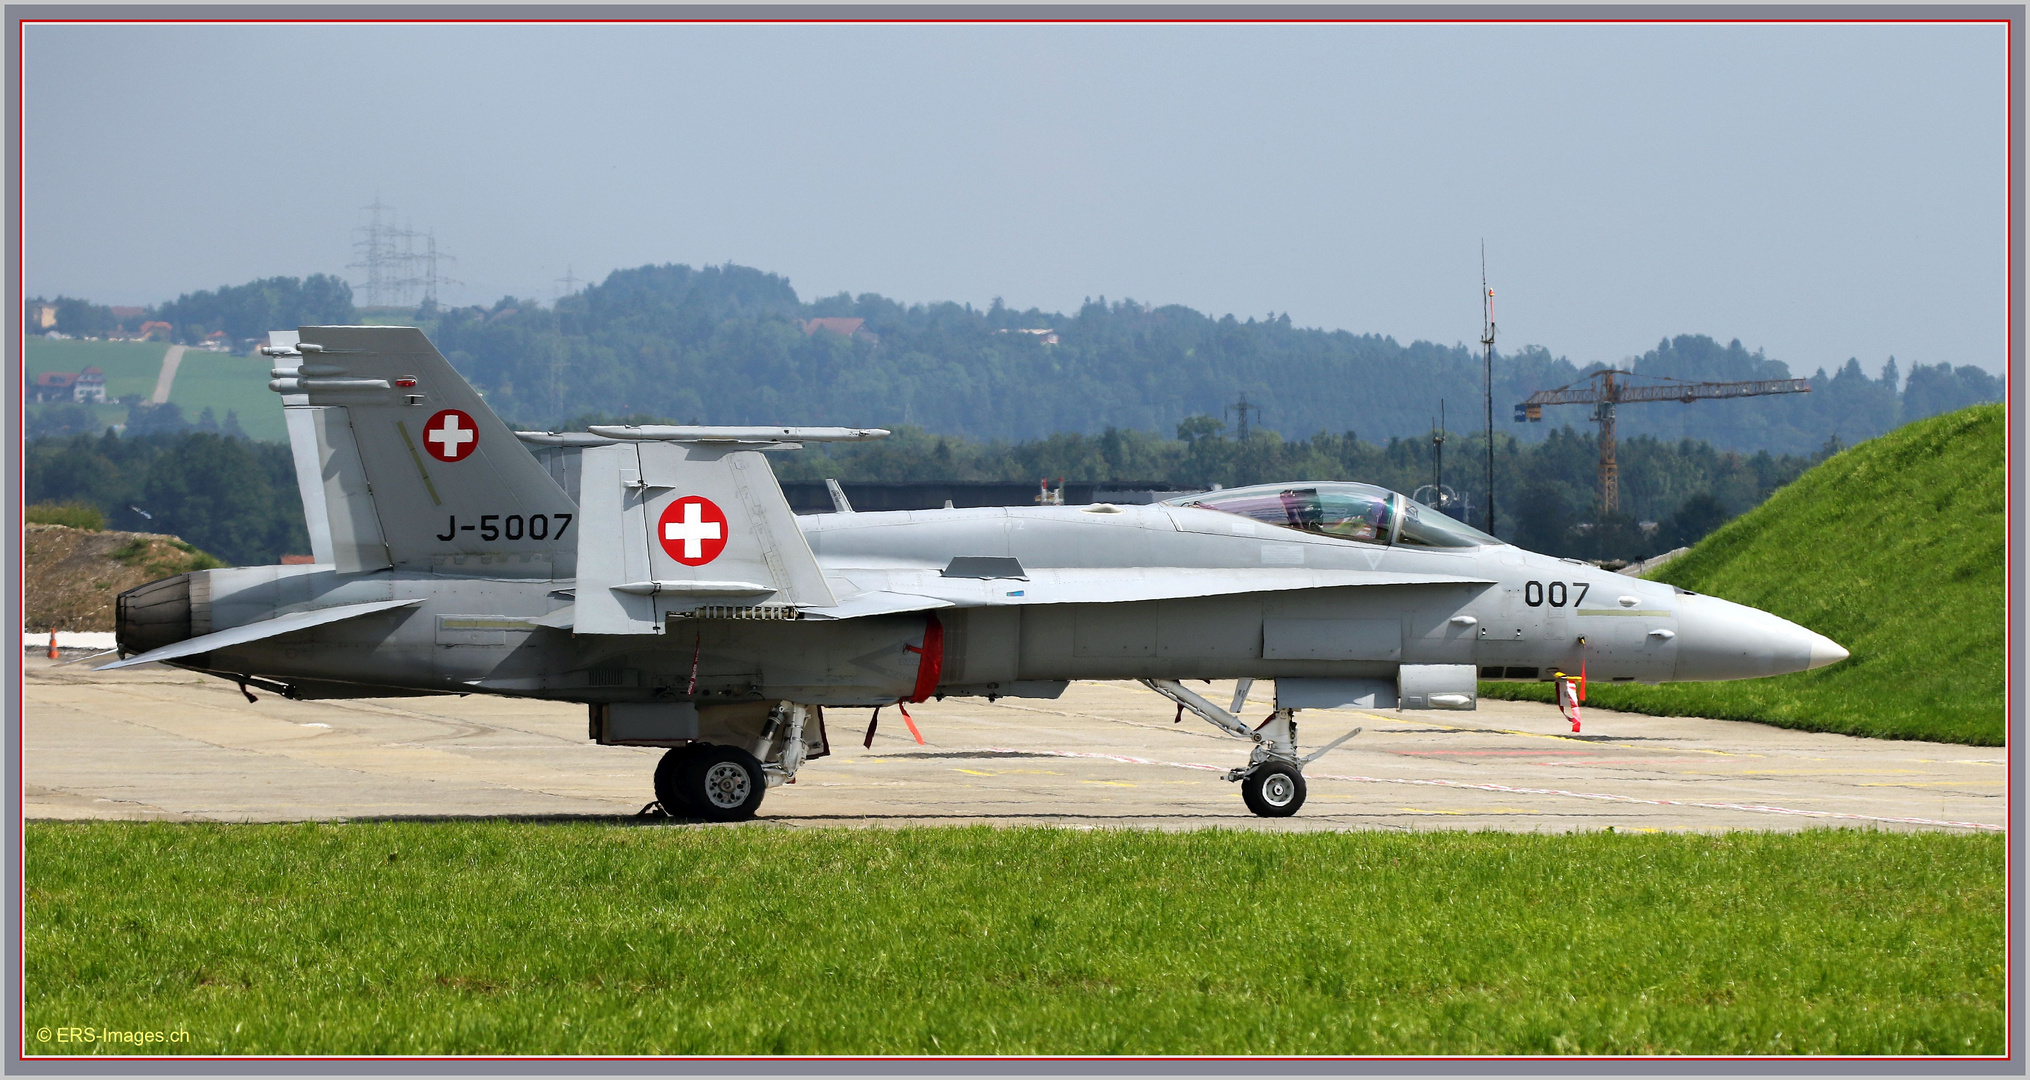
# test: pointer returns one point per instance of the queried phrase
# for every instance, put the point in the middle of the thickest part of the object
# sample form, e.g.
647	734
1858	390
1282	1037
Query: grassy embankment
218	380
497	937
1895	549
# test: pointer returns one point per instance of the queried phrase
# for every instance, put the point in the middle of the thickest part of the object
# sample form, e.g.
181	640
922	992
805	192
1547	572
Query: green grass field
501	937
130	366
226	382
220	381
1894	549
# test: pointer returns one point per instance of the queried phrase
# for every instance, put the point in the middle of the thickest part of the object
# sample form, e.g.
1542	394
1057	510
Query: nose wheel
1272	782
1273	789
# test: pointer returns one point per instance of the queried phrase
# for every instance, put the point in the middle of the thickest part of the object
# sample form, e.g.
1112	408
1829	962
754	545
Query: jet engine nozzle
153	615
1719	639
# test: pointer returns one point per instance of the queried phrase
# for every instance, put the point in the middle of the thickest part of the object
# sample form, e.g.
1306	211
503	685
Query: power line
1242	407
396	273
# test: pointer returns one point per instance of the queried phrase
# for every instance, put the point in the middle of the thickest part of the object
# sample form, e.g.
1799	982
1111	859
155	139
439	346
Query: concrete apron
158	743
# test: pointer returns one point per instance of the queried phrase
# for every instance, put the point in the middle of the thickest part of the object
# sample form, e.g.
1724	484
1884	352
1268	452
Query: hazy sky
1817	192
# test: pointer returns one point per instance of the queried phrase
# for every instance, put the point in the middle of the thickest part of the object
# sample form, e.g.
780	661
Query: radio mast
1438	457
1487	342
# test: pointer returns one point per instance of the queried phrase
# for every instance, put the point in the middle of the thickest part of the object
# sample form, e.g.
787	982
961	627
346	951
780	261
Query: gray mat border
10	914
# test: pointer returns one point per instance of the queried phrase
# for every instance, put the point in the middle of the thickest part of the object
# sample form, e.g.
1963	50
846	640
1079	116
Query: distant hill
1895	549
730	344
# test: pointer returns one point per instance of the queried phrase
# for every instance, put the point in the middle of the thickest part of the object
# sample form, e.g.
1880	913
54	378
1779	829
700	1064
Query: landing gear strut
1272	782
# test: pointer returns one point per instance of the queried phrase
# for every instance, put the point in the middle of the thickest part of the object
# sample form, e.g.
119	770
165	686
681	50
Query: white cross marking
451	438
694	530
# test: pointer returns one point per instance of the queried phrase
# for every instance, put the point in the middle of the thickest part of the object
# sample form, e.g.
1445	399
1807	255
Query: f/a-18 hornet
657	576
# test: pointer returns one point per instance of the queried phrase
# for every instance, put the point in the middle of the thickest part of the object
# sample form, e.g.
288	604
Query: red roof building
87	385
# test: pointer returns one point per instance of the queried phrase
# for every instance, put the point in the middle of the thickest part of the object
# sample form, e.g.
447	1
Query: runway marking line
1751	808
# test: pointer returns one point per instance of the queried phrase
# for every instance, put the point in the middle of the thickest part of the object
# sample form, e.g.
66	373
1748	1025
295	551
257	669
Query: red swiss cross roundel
450	436
692	530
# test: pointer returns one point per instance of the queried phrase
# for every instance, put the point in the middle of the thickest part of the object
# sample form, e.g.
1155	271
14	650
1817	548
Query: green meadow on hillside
219	381
223	382
1895	549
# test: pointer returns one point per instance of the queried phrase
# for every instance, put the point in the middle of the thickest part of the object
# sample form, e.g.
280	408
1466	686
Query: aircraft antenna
1487	343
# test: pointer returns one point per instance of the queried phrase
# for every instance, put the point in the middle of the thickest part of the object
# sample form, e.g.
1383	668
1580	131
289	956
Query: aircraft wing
255	631
890	591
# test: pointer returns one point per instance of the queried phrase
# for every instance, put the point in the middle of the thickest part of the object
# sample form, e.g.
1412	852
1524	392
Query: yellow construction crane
1605	389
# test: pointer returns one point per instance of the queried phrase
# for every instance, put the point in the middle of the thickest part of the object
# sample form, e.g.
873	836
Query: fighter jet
657	576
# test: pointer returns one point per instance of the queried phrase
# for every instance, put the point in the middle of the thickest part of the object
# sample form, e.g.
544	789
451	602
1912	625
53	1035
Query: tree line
243	313
729	345
735	345
237	498
233	497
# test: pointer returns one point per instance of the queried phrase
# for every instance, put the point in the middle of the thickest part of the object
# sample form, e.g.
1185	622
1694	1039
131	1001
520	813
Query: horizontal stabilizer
692	433
256	631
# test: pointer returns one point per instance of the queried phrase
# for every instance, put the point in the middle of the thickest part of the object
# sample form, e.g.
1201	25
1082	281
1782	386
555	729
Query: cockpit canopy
1359	512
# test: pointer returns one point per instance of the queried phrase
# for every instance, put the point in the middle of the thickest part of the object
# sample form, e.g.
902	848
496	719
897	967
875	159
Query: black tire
673	788
725	783
1274	790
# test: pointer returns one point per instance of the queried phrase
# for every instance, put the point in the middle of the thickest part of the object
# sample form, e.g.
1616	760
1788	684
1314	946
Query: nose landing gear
1273	789
1272	782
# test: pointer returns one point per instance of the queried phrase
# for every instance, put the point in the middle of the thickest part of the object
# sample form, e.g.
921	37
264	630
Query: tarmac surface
164	744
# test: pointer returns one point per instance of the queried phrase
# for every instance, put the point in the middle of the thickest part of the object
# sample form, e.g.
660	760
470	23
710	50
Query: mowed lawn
590	938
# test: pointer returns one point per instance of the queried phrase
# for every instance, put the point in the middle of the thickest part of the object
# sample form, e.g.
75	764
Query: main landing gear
720	782
717	783
1272	782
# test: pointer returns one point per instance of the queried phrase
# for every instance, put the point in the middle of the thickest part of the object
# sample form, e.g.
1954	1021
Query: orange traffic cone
52	644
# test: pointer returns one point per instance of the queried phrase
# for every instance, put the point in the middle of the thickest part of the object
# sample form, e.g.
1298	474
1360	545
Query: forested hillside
973	396
732	345
233	497
727	344
243	313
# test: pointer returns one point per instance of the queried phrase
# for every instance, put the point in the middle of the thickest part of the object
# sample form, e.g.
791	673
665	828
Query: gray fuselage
1521	616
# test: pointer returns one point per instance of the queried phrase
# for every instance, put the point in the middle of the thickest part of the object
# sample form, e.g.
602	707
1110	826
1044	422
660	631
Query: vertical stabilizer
673	528
415	471
300	417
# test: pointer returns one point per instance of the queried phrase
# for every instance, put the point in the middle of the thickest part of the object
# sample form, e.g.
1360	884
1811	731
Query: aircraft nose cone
1718	639
1824	650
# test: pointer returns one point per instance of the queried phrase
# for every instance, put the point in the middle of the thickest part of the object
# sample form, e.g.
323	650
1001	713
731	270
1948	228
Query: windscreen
1425	527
